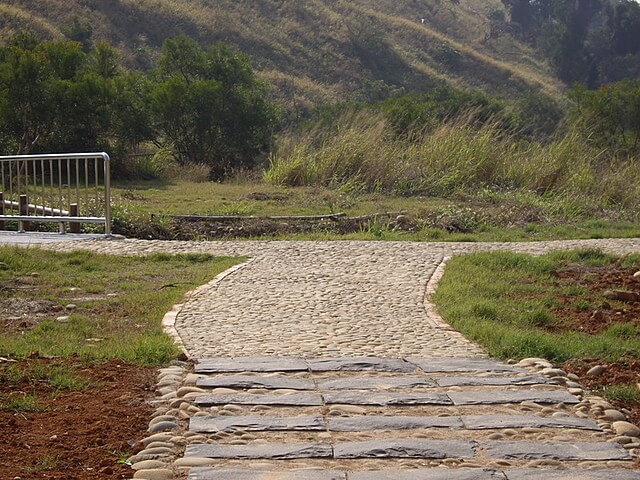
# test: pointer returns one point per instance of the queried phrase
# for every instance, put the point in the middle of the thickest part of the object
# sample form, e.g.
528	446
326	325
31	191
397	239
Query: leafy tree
610	115
210	106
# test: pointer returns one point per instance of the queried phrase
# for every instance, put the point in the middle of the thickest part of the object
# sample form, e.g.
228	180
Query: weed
18	402
622	393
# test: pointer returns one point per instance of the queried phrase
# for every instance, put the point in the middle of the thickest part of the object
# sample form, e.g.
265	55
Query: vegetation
120	302
594	42
316	51
505	301
203	106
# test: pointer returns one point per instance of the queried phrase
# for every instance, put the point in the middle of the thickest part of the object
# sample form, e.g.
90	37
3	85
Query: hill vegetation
316	51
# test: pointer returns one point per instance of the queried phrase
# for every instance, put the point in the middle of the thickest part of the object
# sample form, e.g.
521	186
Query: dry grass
316	44
459	156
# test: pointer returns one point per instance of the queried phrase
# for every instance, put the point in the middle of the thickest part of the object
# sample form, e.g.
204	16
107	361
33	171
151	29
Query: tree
210	106
610	115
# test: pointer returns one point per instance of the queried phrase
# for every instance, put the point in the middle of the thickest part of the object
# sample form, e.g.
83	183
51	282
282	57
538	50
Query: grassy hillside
315	50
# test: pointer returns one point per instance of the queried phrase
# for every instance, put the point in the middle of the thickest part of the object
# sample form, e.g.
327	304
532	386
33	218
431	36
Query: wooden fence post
24	226
74	227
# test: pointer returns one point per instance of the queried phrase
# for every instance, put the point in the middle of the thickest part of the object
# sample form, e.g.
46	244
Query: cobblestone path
325	361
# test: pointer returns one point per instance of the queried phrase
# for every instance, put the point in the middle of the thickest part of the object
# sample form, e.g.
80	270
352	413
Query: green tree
610	115
209	105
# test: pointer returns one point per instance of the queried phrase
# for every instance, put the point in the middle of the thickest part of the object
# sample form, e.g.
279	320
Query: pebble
595	371
163	426
614	415
148	464
154	474
626	429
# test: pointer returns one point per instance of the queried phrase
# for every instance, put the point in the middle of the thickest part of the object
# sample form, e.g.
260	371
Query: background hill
315	50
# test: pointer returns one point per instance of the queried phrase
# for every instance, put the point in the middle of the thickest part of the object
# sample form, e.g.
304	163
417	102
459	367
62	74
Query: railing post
74	227
107	194
1	210
23	226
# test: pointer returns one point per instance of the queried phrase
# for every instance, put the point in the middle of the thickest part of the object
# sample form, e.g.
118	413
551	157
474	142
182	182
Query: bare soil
79	434
596	312
602	314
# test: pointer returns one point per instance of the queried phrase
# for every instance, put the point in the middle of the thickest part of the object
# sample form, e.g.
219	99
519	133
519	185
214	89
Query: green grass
622	393
487	216
19	403
58	377
120	303
481	295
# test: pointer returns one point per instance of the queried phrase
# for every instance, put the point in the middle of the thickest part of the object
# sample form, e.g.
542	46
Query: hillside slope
316	50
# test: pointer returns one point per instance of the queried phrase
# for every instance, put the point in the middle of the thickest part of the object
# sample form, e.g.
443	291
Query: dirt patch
624	372
591	311
18	315
75	435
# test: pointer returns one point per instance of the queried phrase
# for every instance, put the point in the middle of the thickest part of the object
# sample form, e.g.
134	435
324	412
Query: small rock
637	274
595	371
154	474
193	462
148	464
622	440
614	415
575	391
63	319
71	306
626	429
163	426
622	296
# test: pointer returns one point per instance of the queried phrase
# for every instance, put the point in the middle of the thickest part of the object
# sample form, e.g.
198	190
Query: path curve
326	361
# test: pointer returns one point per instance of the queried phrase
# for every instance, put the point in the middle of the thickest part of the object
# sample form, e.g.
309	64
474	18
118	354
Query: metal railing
71	188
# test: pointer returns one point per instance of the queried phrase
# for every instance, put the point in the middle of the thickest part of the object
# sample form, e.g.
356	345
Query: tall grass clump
461	155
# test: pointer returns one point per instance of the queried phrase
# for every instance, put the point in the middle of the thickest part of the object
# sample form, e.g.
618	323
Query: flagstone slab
382	399
247	381
360	364
491	381
242	474
486	422
433	365
480	397
287	400
375	383
367	423
254	423
405	448
251	364
573	474
271	451
555	451
430	474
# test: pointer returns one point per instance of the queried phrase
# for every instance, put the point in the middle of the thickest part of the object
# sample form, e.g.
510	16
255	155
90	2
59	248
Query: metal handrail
46	184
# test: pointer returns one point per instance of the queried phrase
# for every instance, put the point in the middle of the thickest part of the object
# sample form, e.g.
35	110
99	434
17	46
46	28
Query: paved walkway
325	360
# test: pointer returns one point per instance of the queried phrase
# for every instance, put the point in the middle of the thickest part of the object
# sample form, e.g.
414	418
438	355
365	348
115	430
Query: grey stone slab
480	397
375	383
271	451
382	399
430	474
462	365
201	473
246	381
292	399
555	451
491	381
486	422
405	448
360	364
572	474
251	364
367	423
254	423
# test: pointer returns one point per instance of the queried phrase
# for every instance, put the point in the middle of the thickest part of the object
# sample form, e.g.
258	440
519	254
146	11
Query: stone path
325	360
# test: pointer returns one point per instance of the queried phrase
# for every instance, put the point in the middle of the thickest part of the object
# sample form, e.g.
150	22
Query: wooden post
74	227
24	210
1	210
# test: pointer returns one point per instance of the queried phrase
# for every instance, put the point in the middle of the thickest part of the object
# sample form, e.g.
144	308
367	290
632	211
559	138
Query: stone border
170	318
